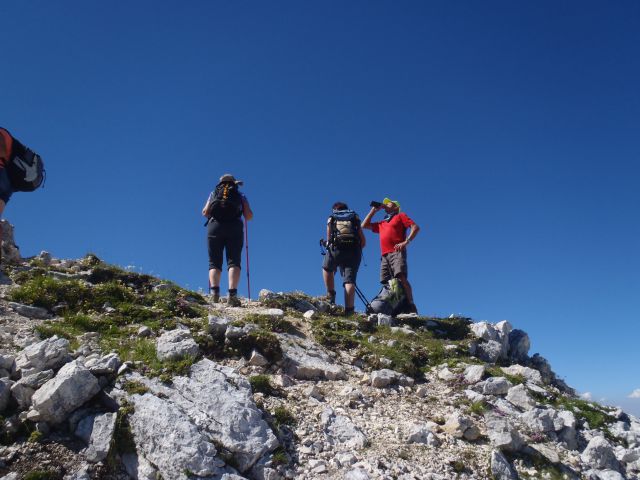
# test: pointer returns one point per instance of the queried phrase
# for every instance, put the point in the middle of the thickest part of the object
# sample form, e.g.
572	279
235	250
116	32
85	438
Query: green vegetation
292	301
261	340
262	384
271	323
544	468
409	354
497	372
279	457
478	407
43	475
35	437
123	441
282	416
135	388
589	412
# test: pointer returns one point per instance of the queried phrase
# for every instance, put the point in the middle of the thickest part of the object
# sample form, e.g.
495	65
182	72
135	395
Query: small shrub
279	457
133	387
282	416
261	384
35	437
271	323
478	407
43	475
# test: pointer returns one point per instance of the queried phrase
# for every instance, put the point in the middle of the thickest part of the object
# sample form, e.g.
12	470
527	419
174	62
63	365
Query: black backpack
25	168
226	203
344	229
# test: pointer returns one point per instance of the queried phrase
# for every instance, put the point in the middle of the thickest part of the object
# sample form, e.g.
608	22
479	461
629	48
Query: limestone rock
519	396
474	373
257	359
599	454
489	351
496	386
271	312
167	439
176	344
423	433
310	314
501	469
10	252
106	365
529	374
69	389
97	431
217	326
385	377
502	433
264	294
340	430
305	360
24	388
8	363
538	420
385	320
219	402
48	354
144	332
29	311
460	426
484	331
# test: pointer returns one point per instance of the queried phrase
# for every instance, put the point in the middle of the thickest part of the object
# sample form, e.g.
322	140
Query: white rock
502	433
271	312
501	469
8	363
144	332
305	360
519	396
385	320
422	433
529	374
176	344
217	326
490	351
474	396
385	377
97	431
314	392
460	426
49	354
310	314
357	474
484	331
496	386
167	438
24	388
446	374
264	294
257	359
340	430
106	365
474	373
599	454
69	389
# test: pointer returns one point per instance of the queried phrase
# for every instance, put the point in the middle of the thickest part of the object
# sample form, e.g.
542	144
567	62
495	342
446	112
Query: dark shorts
348	261
393	264
6	189
225	236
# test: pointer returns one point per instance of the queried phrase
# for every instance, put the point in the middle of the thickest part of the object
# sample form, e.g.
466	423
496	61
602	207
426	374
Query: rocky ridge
111	374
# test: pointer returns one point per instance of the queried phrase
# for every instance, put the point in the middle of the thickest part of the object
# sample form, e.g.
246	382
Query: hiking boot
215	297
233	301
331	297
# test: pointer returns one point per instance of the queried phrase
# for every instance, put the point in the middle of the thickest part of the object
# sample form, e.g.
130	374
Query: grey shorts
393	264
348	261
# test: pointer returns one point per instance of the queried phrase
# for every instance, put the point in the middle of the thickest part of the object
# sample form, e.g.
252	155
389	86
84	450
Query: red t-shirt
6	143
392	232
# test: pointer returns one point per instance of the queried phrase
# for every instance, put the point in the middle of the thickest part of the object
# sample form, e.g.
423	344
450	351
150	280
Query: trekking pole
363	299
246	243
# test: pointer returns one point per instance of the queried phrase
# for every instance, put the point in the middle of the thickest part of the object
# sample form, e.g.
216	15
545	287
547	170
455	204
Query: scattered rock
24	388
176	344
144	332
217	326
340	430
474	373
496	386
70	388
501	469
502	433
599	454
107	365
48	354
97	431
519	396
310	314
460	426
305	360
257	359
385	377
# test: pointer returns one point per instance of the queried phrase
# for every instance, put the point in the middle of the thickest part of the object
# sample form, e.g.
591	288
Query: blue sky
508	131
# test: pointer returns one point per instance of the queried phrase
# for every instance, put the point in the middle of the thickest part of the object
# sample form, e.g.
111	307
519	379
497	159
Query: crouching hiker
21	170
393	243
225	233
345	241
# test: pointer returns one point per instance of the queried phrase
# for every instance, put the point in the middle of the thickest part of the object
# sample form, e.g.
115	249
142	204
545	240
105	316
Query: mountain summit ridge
111	374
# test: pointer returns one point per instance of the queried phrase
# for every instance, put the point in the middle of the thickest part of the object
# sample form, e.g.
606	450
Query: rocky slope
110	374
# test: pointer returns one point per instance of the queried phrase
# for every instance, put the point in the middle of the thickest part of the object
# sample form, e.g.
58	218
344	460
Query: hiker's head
340	206
228	178
391	206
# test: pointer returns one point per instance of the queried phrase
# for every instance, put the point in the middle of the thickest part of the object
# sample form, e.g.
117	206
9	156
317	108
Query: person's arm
363	240
412	234
206	207
366	223
246	209
329	231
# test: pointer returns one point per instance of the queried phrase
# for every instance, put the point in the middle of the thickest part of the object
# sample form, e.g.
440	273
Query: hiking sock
348	311
233	292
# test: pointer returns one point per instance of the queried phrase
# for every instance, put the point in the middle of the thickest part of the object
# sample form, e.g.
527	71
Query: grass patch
589	412
261	340
296	301
35	437
497	372
282	416
262	384
279	457
270	323
478	407
43	475
123	441
133	387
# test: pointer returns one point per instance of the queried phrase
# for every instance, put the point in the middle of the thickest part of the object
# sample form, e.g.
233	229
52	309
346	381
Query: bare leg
214	277
402	278
349	295
329	280
234	277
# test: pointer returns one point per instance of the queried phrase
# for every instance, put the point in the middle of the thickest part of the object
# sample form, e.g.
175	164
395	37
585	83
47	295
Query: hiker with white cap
225	232
393	243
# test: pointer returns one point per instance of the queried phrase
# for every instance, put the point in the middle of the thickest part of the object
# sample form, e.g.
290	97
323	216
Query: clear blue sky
508	130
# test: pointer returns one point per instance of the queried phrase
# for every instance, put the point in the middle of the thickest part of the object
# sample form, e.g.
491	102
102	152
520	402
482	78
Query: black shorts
225	236
348	261
393	264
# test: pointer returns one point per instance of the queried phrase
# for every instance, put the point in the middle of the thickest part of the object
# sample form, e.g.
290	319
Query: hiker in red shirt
393	244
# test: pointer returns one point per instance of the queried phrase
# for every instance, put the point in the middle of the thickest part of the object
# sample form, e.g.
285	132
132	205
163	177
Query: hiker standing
21	170
225	232
345	241
393	243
